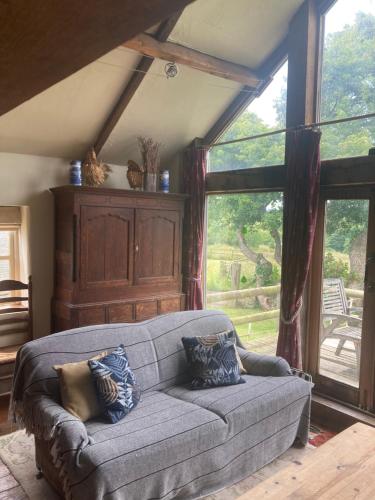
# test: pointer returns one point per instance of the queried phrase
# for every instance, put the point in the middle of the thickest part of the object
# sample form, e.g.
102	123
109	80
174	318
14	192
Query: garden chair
337	319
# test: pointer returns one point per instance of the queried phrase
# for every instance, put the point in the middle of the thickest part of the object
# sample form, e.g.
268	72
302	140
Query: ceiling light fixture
171	70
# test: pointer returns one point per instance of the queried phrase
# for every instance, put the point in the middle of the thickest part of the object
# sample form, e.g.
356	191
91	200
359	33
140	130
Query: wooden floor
5	426
342	368
10	489
342	468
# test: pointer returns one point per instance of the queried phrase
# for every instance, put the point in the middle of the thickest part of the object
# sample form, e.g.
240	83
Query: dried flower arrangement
150	154
95	172
151	160
135	175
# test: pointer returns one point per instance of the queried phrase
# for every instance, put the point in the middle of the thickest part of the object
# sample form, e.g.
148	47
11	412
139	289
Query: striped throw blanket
177	443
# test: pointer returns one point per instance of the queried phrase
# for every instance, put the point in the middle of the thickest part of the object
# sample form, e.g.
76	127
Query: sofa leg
39	474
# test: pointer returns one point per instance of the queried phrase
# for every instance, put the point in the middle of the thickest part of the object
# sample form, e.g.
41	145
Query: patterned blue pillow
213	360
118	392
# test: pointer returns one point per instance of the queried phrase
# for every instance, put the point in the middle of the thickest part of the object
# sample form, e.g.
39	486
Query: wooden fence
219	298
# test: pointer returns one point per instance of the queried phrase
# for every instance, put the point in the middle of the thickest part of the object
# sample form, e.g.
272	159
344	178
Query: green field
219	259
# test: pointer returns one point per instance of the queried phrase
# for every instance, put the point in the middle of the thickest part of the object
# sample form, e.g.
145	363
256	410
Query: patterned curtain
195	163
300	211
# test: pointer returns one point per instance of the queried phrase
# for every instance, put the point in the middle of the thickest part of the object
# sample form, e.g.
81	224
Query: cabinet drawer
145	310
91	316
120	313
171	304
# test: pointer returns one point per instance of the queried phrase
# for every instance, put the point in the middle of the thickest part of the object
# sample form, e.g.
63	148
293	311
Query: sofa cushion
77	389
152	445
213	360
246	404
116	385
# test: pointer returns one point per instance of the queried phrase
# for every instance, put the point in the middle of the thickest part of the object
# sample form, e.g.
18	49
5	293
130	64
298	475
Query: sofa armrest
48	420
264	365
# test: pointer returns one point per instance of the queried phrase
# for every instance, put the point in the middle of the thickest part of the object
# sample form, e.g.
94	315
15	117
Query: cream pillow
77	389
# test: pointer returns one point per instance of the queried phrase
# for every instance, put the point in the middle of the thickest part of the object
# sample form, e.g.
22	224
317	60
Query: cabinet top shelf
116	192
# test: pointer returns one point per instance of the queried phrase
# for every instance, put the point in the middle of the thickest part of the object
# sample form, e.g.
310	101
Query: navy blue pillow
116	386
213	360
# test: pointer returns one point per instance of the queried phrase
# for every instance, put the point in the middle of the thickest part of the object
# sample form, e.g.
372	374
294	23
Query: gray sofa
177	443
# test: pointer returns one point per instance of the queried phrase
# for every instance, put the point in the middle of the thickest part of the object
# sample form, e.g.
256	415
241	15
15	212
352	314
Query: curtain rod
283	130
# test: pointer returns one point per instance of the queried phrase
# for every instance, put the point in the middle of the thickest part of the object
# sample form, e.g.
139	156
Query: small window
264	114
9	254
348	78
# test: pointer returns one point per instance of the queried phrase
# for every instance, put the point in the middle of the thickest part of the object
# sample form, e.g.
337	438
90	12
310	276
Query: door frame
364	396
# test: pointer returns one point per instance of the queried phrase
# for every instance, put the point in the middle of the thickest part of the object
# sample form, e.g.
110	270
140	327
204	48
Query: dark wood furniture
117	256
15	326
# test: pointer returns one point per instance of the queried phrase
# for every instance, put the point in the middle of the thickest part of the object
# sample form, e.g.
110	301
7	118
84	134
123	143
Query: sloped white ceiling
241	31
172	111
65	120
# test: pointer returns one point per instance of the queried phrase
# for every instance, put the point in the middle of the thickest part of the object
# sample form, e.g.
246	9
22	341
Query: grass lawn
259	335
259	329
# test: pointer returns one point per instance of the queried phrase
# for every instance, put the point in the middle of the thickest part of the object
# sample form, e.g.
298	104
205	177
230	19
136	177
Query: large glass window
265	113
348	78
243	263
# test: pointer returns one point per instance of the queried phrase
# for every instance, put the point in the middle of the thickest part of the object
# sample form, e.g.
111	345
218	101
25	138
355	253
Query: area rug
17	452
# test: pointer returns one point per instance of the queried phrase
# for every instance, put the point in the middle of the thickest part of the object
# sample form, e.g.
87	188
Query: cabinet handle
74	257
136	248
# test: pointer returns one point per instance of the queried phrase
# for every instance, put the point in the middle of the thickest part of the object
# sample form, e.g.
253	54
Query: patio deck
342	368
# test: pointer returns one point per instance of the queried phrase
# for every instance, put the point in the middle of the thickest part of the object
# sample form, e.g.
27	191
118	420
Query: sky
342	13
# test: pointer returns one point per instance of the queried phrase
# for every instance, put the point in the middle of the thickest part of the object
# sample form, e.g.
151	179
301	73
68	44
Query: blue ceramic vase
75	173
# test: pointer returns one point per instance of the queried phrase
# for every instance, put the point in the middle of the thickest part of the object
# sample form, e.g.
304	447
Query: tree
256	153
348	83
347	227
243	215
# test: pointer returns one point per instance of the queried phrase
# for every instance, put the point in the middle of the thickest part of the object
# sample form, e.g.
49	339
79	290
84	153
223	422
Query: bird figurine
135	175
95	172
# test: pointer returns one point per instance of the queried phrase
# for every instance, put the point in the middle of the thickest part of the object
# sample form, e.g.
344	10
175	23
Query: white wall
26	180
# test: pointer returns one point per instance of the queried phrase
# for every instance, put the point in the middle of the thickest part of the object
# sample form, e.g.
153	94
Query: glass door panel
243	264
344	265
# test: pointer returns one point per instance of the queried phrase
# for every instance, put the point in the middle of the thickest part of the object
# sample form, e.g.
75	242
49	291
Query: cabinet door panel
106	246
170	305
91	316
121	313
146	310
157	234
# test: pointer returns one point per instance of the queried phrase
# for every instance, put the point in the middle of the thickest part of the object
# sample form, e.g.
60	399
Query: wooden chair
337	319
15	326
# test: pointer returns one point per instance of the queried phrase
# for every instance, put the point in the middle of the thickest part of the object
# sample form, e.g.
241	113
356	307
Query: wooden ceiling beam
43	42
169	51
132	85
265	71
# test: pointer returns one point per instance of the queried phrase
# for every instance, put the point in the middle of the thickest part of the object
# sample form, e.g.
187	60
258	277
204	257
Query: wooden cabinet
117	255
